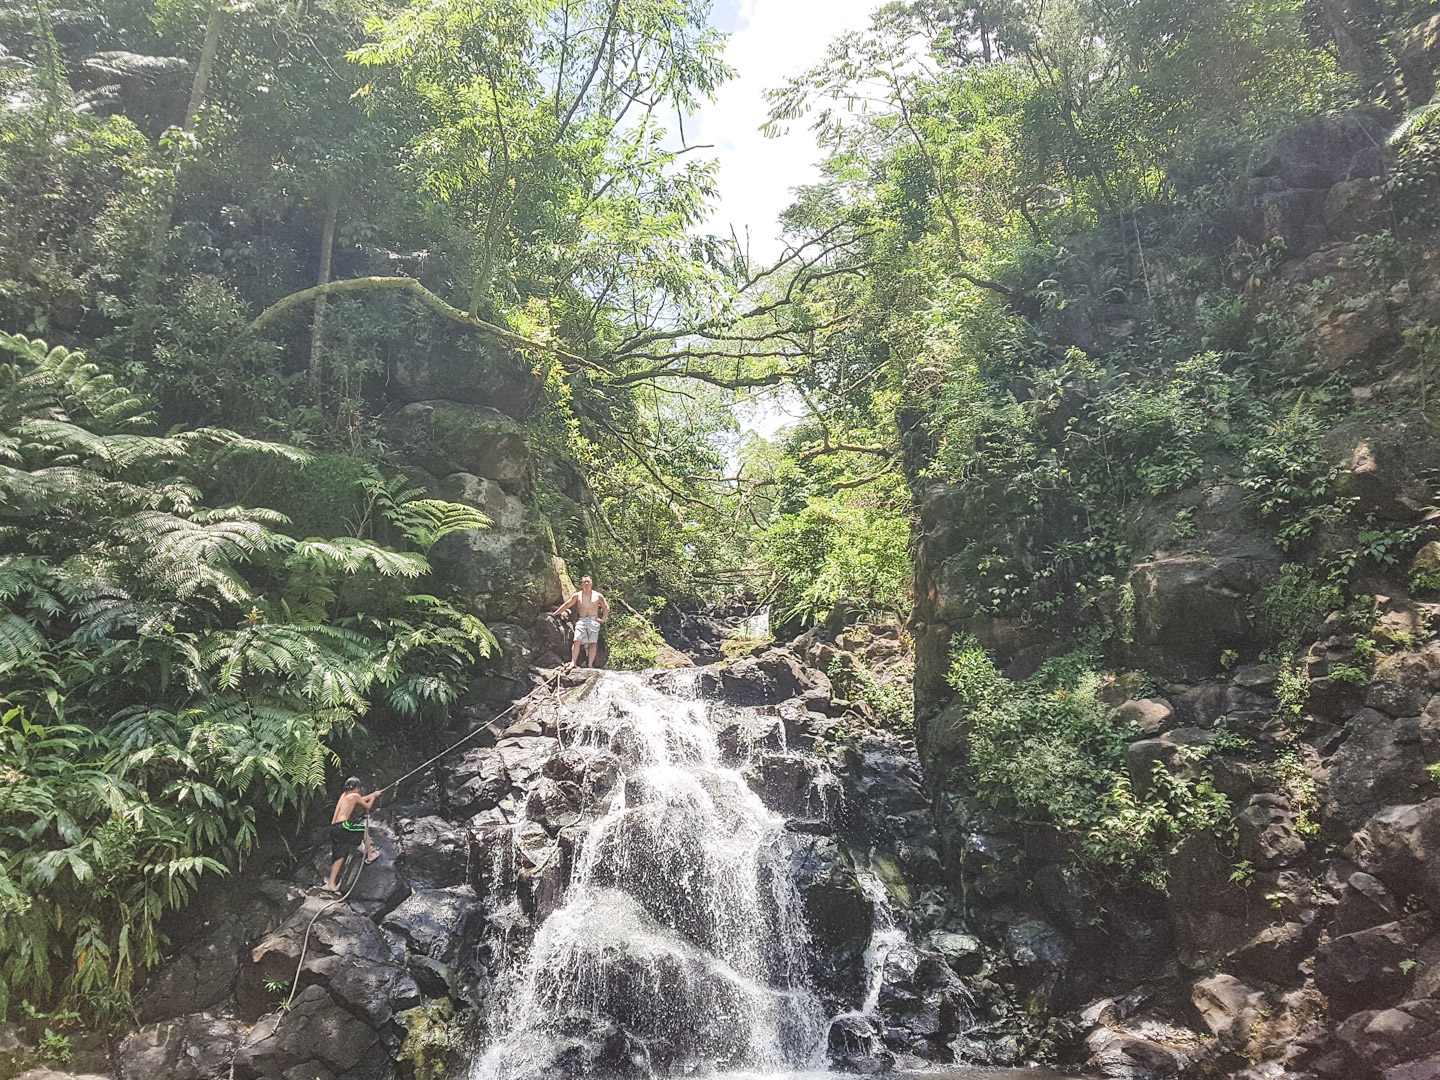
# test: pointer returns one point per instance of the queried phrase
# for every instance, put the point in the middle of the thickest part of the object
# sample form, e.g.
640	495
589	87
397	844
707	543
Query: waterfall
680	944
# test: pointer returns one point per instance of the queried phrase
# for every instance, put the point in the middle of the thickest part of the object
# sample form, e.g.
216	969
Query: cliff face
1297	938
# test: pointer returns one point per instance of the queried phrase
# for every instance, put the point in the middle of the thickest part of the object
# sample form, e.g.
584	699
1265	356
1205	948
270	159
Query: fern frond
347	555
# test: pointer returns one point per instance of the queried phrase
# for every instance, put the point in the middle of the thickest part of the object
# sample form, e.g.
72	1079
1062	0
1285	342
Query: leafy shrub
117	586
834	550
633	642
1045	747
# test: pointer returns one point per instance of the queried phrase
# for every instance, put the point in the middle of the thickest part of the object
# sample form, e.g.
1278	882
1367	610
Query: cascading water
680	945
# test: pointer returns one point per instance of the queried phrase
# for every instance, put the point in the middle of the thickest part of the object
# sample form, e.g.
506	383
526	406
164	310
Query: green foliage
633	642
834	550
1046	748
1296	605
892	700
118	585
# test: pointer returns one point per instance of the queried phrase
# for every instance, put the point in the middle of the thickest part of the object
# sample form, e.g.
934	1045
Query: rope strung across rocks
549	685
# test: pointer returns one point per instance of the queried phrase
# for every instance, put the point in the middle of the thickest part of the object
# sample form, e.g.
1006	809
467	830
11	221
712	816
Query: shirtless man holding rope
344	833
592	609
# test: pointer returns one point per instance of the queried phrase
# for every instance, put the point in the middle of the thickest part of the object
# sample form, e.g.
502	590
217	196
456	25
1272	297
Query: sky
770	40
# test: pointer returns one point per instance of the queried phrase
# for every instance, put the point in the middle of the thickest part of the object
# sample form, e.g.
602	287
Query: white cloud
770	41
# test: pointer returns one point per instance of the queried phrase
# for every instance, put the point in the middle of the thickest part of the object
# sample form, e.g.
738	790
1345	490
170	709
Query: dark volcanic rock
767	679
438	923
201	975
197	1047
316	1029
1367	968
476	781
1381	763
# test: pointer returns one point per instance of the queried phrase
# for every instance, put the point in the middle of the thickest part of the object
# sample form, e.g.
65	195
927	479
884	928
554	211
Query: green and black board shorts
344	835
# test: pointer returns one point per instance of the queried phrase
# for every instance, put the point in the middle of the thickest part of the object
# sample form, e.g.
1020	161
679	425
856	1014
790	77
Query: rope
466	738
305	941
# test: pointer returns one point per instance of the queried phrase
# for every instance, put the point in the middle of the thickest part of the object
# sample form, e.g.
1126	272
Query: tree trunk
201	85
317	326
1351	24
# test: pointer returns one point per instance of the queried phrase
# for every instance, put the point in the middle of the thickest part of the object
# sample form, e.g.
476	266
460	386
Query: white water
680	946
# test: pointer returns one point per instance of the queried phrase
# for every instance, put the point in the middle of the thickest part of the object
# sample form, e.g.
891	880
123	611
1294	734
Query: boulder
433	851
507	571
476	781
201	975
1400	846
1378	1039
438	923
1213	914
1174	751
1141	1048
1191	608
1345	334
793	785
767	679
1150	715
1267	836
445	437
374	992
1364	902
1386	467
1323	150
469	371
195	1047
1356	207
1404	681
316	1029
1274	955
1229	1009
553	803
1369	967
1380	763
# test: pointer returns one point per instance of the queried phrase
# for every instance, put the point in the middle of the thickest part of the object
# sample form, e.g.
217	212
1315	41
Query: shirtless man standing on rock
592	609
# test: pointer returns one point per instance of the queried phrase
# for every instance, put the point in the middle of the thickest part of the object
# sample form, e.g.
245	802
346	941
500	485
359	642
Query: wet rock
1364	902
433	850
201	975
767	679
1381	763
1368	968
1036	946
476	781
554	804
439	923
791	784
316	1029
375	992
745	739
196	1047
525	757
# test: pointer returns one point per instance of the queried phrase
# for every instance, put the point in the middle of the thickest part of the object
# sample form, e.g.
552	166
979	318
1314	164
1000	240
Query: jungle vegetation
221	224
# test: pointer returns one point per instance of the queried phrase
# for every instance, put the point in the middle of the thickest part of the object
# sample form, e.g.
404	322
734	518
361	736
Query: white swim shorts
587	630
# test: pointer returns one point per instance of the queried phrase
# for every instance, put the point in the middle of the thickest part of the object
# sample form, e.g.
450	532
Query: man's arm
604	608
368	801
565	606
